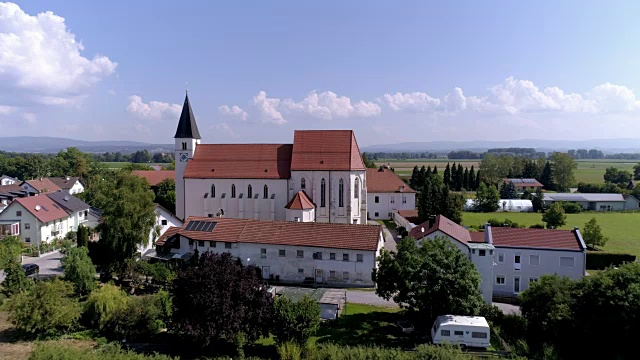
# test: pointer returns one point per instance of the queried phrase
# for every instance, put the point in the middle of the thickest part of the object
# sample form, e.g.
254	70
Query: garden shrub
537	226
571	207
140	319
58	351
599	260
422	352
102	304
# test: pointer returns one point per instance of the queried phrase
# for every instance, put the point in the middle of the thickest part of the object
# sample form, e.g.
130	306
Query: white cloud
29	117
328	105
41	60
514	96
6	110
154	110
267	107
233	111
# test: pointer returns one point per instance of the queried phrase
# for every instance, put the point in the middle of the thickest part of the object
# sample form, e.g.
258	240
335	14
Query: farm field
120	165
622	229
588	171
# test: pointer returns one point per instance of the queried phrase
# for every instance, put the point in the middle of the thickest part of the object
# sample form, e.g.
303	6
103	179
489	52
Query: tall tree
487	198
509	191
222	311
592	234
79	270
82	237
465	179
537	200
554	217
447	176
295	321
415	174
563	168
433	279
428	170
471	184
166	194
435	170
616	176
636	172
459	178
546	177
368	163
478	180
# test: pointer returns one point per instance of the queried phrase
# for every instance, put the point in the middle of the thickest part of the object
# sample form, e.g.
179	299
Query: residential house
327	253
386	193
39	186
7	180
164	220
77	209
595	202
39	219
257	181
10	192
523	184
523	255
70	184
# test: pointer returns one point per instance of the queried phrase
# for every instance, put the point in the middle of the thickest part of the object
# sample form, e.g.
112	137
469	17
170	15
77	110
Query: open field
622	229
120	165
588	171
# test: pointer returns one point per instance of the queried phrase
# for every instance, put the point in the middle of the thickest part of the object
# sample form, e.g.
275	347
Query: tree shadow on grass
374	328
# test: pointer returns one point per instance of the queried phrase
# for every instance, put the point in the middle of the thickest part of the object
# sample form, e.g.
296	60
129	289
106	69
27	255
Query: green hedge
598	260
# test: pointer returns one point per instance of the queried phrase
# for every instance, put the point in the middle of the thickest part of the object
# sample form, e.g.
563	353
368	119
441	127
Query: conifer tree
435	170
465	179
472	179
447	175
478	179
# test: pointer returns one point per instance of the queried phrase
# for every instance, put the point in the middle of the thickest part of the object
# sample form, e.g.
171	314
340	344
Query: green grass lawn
622	229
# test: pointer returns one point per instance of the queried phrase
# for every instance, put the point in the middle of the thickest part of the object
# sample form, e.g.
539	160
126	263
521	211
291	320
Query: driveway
49	264
508	308
389	236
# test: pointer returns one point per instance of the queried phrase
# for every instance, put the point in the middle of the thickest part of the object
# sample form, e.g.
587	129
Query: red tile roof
300	201
47	209
410	215
43	185
326	150
443	224
167	234
154	177
386	181
63	183
10	187
477	236
535	238
240	161
312	234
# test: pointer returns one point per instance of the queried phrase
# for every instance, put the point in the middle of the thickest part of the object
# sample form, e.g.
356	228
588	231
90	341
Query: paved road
508	308
49	264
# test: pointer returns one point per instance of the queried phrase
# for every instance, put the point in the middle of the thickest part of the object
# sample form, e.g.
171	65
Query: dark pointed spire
187	127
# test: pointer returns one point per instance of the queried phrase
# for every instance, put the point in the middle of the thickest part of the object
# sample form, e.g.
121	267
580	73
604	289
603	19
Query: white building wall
240	206
631	203
337	272
6	181
76	188
180	168
354	207
607	205
164	220
388	203
548	260
307	215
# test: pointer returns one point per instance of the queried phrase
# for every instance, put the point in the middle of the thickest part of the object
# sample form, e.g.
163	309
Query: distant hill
43	144
606	145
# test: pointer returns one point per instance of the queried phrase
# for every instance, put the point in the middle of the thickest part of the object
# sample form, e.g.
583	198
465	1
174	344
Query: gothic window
341	193
303	184
249	192
356	189
233	190
266	192
184	145
323	188
213	190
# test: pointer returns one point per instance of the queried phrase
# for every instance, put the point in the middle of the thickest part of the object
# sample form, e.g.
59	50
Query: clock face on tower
184	156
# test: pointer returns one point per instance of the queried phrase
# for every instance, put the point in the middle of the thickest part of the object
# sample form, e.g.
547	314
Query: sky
393	71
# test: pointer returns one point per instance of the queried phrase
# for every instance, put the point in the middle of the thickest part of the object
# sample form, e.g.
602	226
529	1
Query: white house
257	181
77	209
70	184
7	180
334	254
39	219
164	220
387	193
508	259
595	202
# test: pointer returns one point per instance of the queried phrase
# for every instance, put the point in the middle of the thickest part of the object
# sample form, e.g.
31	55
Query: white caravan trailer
465	331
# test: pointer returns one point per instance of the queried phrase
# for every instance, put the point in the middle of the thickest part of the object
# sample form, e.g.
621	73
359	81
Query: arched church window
213	190
341	193
266	192
356	189
303	184
323	188
233	190
249	192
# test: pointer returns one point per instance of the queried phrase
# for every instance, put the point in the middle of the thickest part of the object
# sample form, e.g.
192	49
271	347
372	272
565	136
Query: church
321	177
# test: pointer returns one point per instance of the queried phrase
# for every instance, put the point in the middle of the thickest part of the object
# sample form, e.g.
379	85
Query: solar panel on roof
200	225
210	226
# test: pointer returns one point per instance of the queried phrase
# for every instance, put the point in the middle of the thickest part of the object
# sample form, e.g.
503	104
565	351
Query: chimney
488	238
432	221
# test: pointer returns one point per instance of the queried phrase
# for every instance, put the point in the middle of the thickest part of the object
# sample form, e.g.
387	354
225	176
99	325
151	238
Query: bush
537	226
295	321
290	351
422	352
102	304
598	260
46	309
15	280
140	319
58	351
570	207
79	270
504	223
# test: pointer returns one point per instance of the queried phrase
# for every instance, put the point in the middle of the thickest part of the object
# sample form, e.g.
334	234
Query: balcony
9	228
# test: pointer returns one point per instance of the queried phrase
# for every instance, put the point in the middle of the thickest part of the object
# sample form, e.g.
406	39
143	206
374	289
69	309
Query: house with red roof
509	259
323	253
258	181
387	193
37	219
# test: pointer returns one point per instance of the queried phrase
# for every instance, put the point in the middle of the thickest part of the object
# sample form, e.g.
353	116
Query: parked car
30	269
405	326
465	331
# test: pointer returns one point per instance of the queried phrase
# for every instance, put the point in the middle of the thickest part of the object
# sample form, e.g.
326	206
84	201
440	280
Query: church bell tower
186	139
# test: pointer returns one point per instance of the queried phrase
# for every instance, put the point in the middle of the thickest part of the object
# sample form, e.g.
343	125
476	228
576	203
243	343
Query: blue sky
392	71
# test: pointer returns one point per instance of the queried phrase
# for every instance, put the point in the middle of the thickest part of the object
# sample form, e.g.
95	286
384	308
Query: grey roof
187	127
68	202
582	197
63	183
